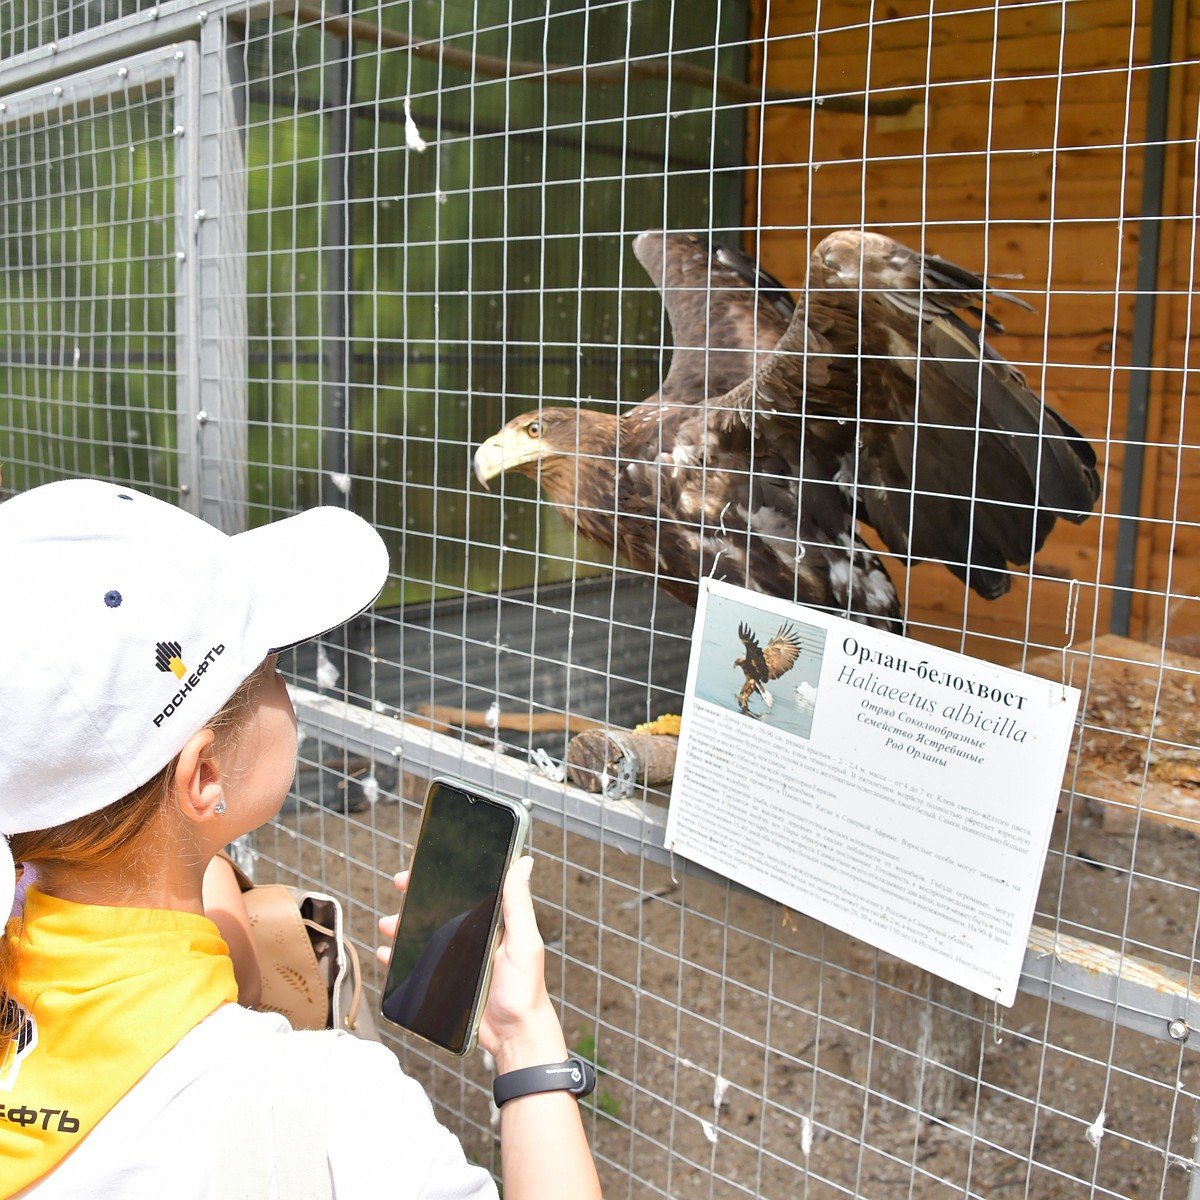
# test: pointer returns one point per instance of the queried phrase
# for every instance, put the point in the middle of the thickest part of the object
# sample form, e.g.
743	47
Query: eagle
762	664
780	426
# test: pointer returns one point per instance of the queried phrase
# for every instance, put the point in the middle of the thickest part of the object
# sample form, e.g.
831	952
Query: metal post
338	186
1144	312
219	230
189	408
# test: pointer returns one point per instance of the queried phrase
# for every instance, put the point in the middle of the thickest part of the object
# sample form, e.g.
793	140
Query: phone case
519	829
514	853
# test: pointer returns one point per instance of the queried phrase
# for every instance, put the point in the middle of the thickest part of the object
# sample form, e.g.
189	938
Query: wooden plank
1080	275
997	113
907	22
1029	187
952	126
1020	186
1025	187
1110	83
850	61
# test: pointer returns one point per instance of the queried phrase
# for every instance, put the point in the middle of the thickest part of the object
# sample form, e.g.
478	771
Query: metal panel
94	289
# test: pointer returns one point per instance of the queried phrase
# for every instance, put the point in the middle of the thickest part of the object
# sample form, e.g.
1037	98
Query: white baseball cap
127	623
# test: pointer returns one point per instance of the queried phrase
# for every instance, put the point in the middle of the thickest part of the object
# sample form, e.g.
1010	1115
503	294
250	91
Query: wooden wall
1020	156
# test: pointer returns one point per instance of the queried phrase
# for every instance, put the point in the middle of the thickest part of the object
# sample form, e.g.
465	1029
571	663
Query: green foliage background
487	275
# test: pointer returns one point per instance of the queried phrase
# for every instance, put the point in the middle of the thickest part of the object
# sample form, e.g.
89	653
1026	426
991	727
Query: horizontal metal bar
145	74
112	43
1119	988
627	823
1078	974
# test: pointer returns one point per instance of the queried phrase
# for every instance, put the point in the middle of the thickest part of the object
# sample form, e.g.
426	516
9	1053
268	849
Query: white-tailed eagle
761	664
780	426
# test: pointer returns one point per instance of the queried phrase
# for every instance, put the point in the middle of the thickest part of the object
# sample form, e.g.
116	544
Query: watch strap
575	1076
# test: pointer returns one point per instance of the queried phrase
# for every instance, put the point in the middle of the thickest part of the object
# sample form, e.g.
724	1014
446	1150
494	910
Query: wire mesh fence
257	258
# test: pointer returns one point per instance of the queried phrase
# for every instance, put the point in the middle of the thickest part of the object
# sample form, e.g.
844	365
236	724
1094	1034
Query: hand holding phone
450	924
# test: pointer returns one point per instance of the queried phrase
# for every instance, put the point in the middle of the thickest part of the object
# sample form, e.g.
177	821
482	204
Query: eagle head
519	446
571	454
554	446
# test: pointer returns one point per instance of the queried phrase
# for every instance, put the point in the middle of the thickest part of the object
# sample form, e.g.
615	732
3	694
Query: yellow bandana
106	992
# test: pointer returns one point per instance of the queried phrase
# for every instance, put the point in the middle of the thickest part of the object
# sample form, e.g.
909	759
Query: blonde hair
92	840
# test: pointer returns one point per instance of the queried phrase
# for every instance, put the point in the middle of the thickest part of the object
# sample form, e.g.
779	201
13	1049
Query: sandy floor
745	1050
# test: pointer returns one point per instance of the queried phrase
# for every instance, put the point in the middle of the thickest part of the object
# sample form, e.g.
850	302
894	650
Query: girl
143	725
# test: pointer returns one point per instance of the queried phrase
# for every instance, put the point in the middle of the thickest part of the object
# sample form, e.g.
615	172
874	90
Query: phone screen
441	957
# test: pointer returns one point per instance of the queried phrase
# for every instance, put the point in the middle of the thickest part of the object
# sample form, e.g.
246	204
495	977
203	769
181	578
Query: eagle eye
534	429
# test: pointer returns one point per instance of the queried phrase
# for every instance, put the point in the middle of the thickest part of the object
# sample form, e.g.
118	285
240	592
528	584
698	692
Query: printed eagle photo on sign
761	664
757	665
781	425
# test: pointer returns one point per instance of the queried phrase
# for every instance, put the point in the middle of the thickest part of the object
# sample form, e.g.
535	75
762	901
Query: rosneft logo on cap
167	657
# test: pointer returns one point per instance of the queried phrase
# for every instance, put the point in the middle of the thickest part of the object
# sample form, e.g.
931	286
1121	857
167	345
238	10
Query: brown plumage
762	664
779	426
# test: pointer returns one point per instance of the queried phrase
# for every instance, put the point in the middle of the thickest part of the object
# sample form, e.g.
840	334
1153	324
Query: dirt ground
748	1051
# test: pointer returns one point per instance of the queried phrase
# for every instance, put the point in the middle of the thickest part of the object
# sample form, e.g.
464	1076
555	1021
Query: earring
220	807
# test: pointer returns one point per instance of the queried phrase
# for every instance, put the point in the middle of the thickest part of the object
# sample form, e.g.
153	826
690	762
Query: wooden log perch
612	761
444	718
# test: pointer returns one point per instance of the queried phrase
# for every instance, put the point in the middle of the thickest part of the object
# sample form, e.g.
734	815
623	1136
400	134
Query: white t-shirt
159	1140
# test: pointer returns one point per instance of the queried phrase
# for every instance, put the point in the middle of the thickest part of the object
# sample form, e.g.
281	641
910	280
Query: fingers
516	885
520	1024
387	929
520	924
387	925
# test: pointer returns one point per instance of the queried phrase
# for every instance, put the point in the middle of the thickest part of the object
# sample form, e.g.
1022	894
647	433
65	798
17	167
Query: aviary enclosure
262	256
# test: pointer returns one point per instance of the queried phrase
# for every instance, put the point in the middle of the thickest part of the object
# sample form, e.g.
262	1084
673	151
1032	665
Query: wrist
539	1040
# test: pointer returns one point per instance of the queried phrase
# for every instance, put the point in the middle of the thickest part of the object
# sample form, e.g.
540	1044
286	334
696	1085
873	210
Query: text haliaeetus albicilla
779	426
761	664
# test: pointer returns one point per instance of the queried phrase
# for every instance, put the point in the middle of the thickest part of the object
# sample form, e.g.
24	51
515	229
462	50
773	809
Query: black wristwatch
574	1076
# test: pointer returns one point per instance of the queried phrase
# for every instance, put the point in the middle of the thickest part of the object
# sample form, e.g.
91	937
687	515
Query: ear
198	783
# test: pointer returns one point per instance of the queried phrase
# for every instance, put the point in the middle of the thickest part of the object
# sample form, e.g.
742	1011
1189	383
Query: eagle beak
489	460
504	451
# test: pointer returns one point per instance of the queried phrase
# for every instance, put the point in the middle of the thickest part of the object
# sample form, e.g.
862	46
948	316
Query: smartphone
450	923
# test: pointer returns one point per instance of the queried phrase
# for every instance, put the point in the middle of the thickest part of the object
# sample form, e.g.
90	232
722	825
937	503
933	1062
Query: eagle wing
722	309
753	663
937	442
782	651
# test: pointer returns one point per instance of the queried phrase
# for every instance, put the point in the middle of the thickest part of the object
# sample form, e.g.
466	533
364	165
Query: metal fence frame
187	46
